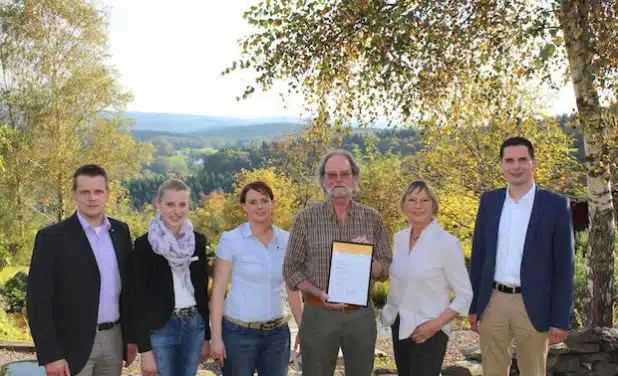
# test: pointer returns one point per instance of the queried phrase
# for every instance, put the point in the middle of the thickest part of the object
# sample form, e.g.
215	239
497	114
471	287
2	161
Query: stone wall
584	353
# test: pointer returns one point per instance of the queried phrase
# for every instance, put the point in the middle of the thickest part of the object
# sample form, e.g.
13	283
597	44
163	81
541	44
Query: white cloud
171	54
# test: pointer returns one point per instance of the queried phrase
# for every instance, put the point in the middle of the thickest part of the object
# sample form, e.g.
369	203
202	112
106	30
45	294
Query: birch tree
406	61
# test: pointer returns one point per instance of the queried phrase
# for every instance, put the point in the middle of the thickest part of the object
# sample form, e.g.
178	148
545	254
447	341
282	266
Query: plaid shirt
317	227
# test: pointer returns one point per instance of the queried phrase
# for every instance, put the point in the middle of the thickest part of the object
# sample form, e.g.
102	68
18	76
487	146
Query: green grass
8	272
385	363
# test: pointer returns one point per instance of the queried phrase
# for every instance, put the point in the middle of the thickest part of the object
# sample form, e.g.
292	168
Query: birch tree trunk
600	253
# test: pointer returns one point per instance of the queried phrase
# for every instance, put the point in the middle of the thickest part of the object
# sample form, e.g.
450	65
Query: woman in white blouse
427	266
249	327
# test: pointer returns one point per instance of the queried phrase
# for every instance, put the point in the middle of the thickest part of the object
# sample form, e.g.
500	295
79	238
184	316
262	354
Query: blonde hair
422	186
171	184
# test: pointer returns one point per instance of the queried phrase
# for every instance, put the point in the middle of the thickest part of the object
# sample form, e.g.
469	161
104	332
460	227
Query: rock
605	369
581	336
472	353
385	371
565	364
597	357
380	354
559	349
583	348
463	368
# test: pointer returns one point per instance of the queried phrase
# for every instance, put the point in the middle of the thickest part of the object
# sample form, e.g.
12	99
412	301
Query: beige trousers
106	355
505	319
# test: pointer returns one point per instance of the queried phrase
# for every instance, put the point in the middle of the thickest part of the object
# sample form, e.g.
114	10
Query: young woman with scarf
171	298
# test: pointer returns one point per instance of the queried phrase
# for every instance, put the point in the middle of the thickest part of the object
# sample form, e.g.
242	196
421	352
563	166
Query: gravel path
459	339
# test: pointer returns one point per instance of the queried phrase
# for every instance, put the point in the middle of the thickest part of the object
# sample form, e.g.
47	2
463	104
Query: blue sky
170	54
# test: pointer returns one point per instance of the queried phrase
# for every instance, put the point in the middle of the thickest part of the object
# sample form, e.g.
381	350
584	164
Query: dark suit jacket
63	291
154	288
547	265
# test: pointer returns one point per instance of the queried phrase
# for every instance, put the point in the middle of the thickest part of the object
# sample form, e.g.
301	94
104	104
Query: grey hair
320	171
171	184
423	186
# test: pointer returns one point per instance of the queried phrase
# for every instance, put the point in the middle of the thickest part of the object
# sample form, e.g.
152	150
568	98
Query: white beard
339	192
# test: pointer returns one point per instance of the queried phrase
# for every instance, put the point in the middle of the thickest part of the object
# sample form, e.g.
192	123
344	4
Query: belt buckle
269	325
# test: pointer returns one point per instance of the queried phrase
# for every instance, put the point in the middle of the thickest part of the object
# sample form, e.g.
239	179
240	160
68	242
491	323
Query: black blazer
154	288
63	292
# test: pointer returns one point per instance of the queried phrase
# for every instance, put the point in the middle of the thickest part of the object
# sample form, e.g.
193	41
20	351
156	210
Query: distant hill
180	123
216	136
260	130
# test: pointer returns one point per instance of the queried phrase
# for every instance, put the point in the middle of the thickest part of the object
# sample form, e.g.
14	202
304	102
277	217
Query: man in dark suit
78	298
522	267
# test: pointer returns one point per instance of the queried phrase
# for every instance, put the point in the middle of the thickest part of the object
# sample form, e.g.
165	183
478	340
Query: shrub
14	293
11	330
380	292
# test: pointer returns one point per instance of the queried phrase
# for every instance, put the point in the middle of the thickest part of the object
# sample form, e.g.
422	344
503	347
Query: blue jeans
177	346
248	349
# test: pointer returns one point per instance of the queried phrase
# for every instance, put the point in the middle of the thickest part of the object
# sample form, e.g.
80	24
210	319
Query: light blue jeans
177	346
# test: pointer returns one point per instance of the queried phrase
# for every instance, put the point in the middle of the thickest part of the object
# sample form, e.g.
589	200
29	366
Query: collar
86	225
245	230
432	228
527	199
351	212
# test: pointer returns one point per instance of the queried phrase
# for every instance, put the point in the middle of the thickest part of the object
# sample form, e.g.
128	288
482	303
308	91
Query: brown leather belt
319	303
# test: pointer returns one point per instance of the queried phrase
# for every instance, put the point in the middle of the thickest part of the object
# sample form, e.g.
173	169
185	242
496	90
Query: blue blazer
547	265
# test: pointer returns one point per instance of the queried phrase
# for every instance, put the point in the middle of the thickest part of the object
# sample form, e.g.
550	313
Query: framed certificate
349	276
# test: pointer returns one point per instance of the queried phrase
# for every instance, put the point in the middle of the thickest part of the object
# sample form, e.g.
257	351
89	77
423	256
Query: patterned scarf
177	250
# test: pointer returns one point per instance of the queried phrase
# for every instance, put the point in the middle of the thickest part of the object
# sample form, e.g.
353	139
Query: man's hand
361	240
425	331
205	351
474	323
376	270
149	367
57	368
332	306
557	335
131	354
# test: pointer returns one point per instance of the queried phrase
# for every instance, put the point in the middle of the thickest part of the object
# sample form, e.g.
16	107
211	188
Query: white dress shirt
421	281
512	236
257	291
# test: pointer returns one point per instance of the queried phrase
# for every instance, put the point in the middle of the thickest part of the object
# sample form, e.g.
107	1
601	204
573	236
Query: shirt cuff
384	275
461	306
294	278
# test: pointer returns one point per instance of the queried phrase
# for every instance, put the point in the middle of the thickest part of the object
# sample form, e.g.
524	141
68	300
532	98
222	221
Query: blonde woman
171	307
427	266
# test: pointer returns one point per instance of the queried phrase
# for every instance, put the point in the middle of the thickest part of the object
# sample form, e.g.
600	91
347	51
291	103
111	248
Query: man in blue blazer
522	267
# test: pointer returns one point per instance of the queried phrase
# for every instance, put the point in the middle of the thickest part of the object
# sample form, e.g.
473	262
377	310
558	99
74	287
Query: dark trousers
322	332
419	359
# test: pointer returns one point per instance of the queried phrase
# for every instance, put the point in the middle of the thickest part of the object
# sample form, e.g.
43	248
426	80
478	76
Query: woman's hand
425	331
205	351
297	344
217	349
148	365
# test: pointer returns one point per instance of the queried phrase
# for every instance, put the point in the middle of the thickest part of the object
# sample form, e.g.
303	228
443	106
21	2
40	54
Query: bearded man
326	327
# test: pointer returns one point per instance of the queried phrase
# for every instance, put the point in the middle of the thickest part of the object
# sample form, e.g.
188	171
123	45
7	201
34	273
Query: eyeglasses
343	175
